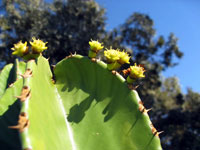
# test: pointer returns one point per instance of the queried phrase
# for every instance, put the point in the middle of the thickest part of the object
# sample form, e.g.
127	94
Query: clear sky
181	17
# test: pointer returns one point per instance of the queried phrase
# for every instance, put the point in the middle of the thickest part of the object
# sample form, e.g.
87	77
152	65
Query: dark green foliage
177	115
68	26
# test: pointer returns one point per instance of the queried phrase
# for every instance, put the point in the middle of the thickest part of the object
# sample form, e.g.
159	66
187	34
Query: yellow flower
112	55
20	49
38	46
123	58
137	72
95	46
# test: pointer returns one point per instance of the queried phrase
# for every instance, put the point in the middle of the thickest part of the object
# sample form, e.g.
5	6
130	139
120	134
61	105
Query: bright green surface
20	68
102	111
48	129
4	78
8	75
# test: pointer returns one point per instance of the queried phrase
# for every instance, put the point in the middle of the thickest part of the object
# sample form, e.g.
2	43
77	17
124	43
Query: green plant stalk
16	66
98	105
26	143
19	68
109	106
4	75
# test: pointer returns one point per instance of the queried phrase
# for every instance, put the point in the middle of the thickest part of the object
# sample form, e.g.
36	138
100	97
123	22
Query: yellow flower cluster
116	58
137	71
38	46
115	55
22	50
95	46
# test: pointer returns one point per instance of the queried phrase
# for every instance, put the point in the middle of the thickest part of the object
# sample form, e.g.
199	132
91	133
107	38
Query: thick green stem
25	96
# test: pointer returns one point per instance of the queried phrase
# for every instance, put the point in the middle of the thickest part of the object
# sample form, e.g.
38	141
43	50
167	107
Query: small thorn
25	94
149	110
136	87
114	72
23	122
22	99
33	60
28	73
10	85
145	111
98	59
154	131
69	56
93	59
142	109
160	132
53	81
132	87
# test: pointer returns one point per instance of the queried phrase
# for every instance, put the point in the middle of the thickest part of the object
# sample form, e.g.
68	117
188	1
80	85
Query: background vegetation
68	26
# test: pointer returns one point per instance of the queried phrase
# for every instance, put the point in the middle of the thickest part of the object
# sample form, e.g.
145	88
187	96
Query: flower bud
137	71
20	49
38	46
95	46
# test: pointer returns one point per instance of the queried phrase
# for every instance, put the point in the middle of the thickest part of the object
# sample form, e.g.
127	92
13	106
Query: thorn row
23	122
145	111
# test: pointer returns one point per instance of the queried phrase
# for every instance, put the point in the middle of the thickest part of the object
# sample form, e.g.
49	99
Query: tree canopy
69	26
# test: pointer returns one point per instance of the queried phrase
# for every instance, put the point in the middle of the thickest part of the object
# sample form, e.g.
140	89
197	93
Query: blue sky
181	17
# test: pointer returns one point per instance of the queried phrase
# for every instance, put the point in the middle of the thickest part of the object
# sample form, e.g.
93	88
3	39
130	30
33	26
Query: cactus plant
82	105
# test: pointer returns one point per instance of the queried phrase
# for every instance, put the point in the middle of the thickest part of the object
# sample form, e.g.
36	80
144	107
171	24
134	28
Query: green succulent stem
25	105
130	80
86	100
114	66
16	66
92	54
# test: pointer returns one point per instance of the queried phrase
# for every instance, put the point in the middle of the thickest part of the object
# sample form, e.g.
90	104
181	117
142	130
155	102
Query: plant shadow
9	138
91	81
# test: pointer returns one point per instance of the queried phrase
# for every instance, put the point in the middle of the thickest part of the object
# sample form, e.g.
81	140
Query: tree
68	26
176	114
